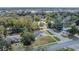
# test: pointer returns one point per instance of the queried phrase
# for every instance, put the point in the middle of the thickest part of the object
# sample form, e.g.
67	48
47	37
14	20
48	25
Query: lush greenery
54	22
27	25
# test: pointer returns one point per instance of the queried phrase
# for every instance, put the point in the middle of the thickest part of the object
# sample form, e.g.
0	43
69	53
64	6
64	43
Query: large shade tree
27	38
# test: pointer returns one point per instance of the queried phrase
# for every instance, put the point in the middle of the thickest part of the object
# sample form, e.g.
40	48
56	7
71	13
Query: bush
3	44
35	26
73	30
49	24
2	29
36	18
27	38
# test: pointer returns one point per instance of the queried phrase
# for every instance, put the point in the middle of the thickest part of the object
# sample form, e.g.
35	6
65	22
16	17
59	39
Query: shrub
27	38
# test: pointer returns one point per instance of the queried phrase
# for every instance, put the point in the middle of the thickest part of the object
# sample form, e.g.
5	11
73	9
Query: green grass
43	47
44	40
49	38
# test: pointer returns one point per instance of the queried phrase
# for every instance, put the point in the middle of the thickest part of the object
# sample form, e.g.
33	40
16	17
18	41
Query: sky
39	3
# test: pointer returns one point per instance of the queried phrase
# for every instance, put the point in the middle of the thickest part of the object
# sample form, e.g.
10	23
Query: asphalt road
62	45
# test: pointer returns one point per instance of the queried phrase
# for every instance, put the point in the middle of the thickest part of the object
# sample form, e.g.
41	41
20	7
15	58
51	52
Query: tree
2	29
49	24
51	14
57	25
48	19
28	23
27	38
20	23
9	21
36	18
73	30
35	26
3	44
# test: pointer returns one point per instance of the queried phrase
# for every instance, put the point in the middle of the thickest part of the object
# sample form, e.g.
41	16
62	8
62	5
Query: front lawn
44	40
